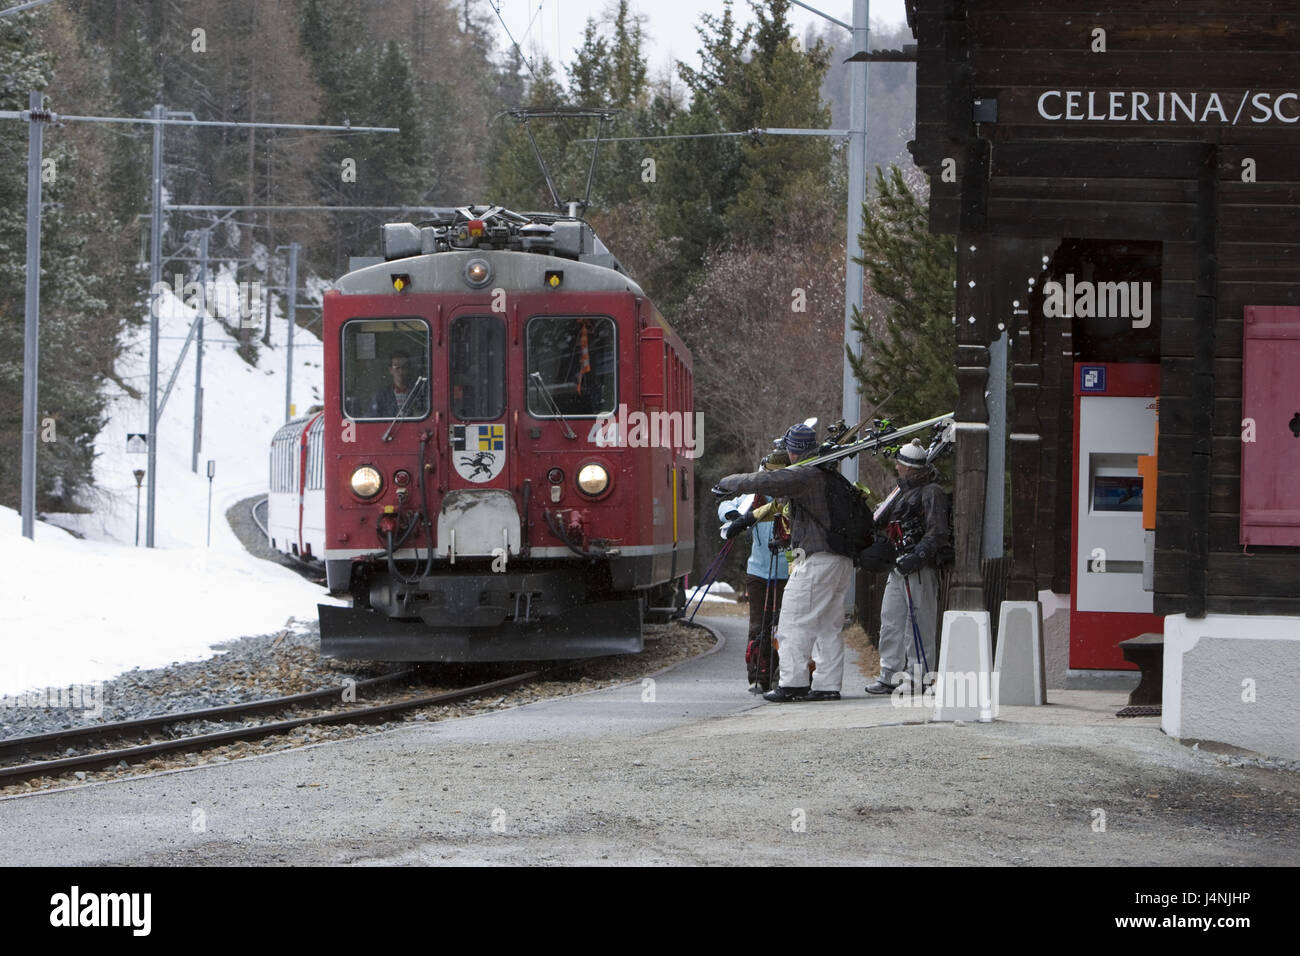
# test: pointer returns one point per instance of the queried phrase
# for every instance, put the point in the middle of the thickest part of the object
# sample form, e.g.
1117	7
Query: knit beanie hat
912	455
800	439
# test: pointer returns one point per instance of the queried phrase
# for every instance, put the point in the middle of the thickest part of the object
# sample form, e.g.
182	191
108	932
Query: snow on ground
719	591
88	609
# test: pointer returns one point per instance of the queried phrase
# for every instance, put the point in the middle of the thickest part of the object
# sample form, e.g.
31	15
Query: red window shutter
1270	398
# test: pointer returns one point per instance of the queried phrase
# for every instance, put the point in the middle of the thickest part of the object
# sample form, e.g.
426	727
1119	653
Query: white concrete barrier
1234	679
1020	662
966	686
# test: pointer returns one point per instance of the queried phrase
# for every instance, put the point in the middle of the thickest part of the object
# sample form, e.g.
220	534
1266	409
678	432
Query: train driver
388	400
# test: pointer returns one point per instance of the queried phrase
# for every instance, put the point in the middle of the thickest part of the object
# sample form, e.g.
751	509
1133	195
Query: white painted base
1056	637
1232	678
966	687
1020	663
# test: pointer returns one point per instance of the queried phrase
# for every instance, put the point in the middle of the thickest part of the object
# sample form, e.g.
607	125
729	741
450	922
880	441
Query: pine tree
732	188
590	70
908	345
82	298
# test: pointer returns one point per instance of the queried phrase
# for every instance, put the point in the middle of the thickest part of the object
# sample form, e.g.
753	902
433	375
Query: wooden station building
1123	179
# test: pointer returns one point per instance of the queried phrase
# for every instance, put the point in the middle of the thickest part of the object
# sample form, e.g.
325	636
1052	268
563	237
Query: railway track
19	747
313	571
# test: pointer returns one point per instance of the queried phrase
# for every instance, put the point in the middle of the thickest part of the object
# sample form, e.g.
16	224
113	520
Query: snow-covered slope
81	610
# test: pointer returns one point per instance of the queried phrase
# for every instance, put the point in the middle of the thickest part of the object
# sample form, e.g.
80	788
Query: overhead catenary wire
770	131
23	6
154	121
496	8
37	115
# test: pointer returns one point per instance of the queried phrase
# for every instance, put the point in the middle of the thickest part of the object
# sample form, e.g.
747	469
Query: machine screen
1117	493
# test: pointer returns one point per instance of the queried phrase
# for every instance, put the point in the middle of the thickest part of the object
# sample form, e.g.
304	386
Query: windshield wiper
546	391
419	382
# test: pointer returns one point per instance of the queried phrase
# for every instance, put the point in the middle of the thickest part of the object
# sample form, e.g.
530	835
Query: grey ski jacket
805	488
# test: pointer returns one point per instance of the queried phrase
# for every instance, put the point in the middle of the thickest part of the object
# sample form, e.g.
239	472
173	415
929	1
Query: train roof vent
397	240
599	255
494	227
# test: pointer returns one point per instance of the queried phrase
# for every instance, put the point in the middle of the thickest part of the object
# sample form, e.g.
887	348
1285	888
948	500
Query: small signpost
136	444
212	470
139	480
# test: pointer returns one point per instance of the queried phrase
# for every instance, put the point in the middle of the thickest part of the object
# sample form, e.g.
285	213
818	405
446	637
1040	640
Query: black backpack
851	525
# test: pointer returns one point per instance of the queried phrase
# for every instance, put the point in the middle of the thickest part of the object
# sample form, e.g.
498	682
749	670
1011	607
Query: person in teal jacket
765	575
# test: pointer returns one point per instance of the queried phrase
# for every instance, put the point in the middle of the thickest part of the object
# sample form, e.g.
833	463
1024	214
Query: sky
557	25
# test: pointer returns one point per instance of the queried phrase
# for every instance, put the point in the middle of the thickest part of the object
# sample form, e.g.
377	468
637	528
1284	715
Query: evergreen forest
737	235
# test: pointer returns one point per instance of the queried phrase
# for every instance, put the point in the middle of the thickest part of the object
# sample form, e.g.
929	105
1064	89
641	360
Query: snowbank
85	610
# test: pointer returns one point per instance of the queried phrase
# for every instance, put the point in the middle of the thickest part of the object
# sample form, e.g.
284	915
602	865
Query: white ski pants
812	616
897	644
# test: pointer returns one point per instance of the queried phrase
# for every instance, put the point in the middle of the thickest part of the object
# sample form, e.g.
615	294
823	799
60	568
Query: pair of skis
882	435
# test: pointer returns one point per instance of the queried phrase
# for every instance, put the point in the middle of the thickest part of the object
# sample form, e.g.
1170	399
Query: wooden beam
1202	388
974	259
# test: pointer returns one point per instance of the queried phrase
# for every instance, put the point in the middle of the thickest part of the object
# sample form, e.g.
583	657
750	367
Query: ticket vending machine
1114	425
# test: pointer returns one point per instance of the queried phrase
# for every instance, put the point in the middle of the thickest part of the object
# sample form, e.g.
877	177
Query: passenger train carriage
484	499
295	511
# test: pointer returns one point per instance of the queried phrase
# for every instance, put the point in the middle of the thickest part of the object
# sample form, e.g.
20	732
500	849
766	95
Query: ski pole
916	630
769	619
711	575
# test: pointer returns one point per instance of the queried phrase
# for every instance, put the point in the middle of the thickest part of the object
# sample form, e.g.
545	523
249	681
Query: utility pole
851	408
32	312
158	117
293	320
155	272
198	357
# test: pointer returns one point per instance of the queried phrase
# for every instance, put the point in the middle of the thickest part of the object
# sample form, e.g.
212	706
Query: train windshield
576	358
385	369
478	367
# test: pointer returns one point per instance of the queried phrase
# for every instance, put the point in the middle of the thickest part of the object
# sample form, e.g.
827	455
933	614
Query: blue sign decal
1092	378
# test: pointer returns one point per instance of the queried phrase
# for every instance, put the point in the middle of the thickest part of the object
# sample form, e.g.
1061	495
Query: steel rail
257	521
16	746
16	774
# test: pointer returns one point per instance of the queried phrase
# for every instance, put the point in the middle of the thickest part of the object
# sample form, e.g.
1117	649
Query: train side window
478	367
577	359
316	455
384	361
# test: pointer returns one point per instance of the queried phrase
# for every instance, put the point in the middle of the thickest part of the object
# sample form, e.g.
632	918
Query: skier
765	576
812	608
920	509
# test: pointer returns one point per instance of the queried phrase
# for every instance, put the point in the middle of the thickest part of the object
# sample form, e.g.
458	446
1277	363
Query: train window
478	367
385	364
577	360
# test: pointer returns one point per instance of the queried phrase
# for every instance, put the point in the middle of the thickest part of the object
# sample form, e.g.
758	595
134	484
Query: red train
488	492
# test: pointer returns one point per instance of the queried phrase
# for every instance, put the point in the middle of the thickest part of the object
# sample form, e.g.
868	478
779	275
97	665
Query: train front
482	502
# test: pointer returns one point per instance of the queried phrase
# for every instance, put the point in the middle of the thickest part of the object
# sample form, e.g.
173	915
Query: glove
736	526
909	563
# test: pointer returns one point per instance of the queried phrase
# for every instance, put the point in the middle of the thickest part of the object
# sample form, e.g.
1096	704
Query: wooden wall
1225	242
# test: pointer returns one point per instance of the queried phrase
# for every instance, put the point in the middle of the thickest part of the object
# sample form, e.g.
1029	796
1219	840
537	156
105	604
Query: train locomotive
484	495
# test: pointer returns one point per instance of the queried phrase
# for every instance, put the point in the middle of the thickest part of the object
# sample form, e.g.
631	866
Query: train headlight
593	479
366	482
478	273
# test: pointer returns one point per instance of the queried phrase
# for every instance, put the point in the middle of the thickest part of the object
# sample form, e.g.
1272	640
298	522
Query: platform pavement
704	773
